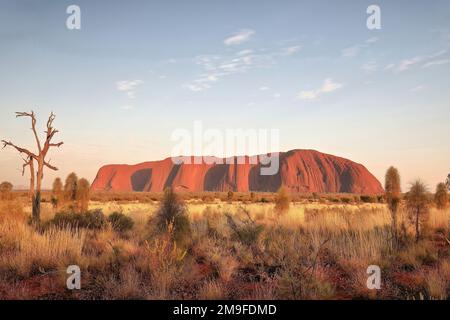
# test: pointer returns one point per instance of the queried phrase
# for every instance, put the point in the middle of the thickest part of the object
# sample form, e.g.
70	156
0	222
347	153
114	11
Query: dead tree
39	157
29	162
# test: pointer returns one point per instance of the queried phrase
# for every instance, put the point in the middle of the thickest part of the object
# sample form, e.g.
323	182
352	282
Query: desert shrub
282	200
417	205
393	190
173	212
6	190
120	222
207	198
441	196
57	193
93	219
368	199
70	187
247	232
346	200
165	261
230	195
82	196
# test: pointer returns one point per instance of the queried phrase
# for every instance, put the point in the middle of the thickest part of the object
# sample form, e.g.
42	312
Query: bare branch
50	134
33	125
21	150
59	144
48	165
27	162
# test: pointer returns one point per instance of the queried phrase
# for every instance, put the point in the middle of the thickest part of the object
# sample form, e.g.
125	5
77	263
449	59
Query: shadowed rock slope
299	170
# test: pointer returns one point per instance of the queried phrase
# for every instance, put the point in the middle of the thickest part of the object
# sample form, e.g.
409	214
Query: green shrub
120	222
93	219
173	212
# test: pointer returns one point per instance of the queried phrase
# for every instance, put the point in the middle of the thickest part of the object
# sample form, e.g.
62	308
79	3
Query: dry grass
313	251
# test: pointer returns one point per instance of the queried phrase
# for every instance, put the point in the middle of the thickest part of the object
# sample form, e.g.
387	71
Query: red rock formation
299	170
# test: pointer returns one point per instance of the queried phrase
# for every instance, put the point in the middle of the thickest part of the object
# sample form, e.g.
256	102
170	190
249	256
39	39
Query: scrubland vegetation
224	245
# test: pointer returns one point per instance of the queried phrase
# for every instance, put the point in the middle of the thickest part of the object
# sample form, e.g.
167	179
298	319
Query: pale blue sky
137	71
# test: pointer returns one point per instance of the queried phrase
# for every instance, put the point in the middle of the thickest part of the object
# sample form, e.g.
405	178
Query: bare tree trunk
417	225
36	212
394	226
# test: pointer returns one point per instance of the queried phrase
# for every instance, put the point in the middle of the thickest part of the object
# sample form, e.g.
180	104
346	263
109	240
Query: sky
139	70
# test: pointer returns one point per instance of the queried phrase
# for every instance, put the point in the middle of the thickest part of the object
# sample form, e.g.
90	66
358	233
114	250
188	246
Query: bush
120	222
230	195
282	200
346	200
264	200
82	195
93	219
369	199
173	213
441	196
5	190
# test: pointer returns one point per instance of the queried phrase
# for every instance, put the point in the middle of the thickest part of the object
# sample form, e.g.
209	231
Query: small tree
230	195
71	187
173	213
441	196
82	194
417	206
57	192
5	190
282	200
393	191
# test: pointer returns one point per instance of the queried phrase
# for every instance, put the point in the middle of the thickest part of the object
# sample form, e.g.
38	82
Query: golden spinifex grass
235	250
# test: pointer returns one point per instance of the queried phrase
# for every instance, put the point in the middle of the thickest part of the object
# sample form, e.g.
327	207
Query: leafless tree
39	157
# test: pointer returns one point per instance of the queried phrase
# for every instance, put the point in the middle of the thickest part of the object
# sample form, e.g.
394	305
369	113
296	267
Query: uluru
299	170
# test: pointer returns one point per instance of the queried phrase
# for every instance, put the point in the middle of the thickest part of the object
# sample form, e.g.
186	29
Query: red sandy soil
300	171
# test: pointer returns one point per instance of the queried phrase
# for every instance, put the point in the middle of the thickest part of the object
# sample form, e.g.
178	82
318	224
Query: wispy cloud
216	67
426	61
353	51
418	88
369	67
405	64
328	86
129	87
372	40
436	63
239	37
291	50
264	88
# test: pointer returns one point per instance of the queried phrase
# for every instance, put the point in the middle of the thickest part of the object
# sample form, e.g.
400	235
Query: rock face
299	170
